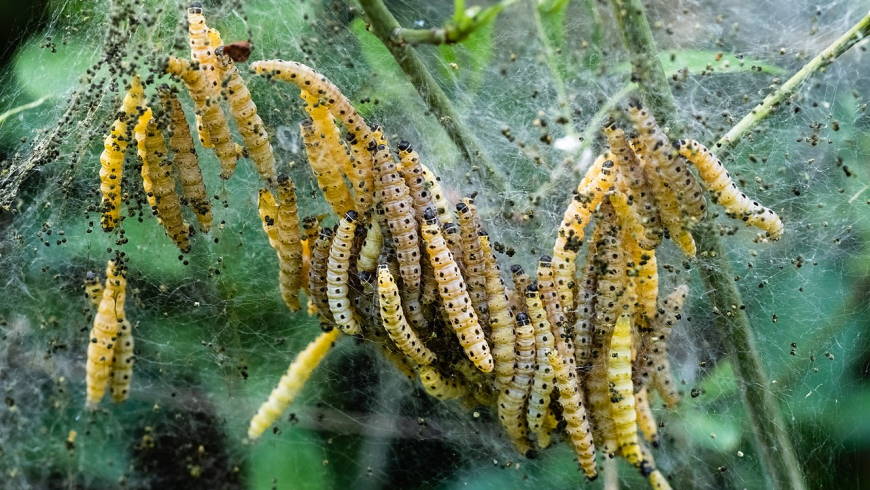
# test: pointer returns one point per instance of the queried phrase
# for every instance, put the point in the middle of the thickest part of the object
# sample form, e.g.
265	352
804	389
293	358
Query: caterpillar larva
633	183
359	134
622	402
186	162
555	315
587	288
454	297
122	363
521	281
542	383
442	205
440	386
394	321
574	414
328	177
501	319
317	273
310	230
657	481
671	169
597	181
292	382
718	181
93	288
249	123
213	119
112	157
289	243
512	397
646	421
158	180
202	52
412	172
337	275
641	261
393	196
104	334
668	316
371	248
472	258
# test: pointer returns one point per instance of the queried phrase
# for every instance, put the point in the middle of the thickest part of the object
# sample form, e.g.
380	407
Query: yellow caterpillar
359	134
328	177
622	403
337	276
542	383
371	248
555	314
725	192
439	386
186	162
442	205
412	172
657	481
158	180
104	333
112	157
472	258
317	274
122	363
521	282
669	315
202	52
641	261
513	396
671	169
574	414
454	297
292	382
394	198
210	112
597	181
250	125
394	321
501	319
646	421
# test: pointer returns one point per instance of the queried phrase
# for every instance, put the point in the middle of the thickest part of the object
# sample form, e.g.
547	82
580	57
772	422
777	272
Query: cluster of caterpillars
577	348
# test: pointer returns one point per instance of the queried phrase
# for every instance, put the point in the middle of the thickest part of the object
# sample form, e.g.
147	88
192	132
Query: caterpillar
657	480
622	402
317	274
359	134
454	297
669	314
328	177
158	180
440	386
394	320
202	52
337	276
501	318
371	248
250	125
542	383
718	181
393	195
122	363
585	314
186	162
597	181
412	172
521	281
291	382
574	414
641	261
646	421
212	116
104	333
310	230
112	157
550	299
93	288
452	237
442	205
472	258
671	169
633	183
289	243
515	393
667	201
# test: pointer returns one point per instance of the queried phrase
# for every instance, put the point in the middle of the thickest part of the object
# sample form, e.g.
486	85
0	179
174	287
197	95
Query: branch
771	442
385	26
762	110
436	35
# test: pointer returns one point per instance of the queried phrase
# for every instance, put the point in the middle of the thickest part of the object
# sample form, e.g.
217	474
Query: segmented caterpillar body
317	274
657	481
328	177
555	315
585	314
597	181
513	396
669	315
521	282
542	383
186	161
292	382
337	275
158	180
122	363
289	243
213	119
112	157
501	318
202	48
442	204
104	333
454	297
310	230
718	181
412	172
371	248
394	321
472	258
646	421
622	402
249	123
574	414
440	386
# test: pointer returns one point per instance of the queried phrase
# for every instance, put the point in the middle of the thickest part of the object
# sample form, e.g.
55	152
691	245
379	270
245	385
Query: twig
771	441
436	35
823	59
385	27
15	110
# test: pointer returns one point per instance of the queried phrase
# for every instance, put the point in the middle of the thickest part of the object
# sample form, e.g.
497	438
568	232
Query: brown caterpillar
317	273
521	282
472	258
555	315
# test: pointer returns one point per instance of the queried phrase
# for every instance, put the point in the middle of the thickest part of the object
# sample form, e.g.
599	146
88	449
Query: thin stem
858	32
771	441
437	35
385	26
